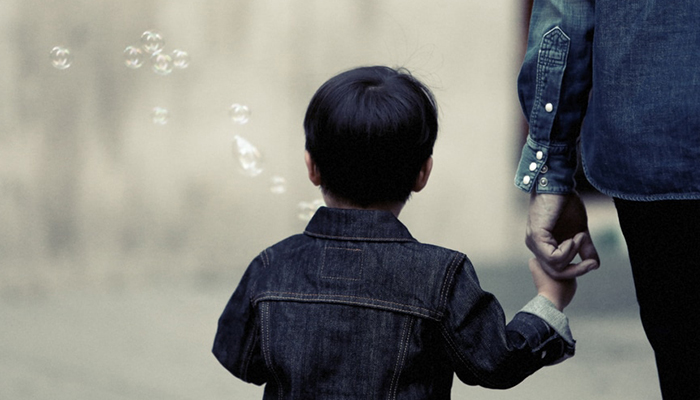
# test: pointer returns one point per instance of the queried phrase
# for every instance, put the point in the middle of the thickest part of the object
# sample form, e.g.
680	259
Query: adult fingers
556	260
588	252
553	256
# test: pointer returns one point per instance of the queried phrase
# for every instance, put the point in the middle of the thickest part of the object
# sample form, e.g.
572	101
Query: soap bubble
248	156
134	57
162	64
239	113
160	115
278	185
152	42
61	57
181	59
307	209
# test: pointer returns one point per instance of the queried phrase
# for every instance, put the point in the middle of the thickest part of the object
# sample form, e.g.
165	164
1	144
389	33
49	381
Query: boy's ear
314	174
423	175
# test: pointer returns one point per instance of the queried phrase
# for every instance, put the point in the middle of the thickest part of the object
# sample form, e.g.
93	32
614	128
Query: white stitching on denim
428	313
248	355
266	347
401	358
435	317
369	239
446	284
265	259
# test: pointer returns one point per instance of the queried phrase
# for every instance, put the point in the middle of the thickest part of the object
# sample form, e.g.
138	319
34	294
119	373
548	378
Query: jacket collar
360	225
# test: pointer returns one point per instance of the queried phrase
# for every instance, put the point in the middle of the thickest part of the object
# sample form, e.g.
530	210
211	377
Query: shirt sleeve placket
551	64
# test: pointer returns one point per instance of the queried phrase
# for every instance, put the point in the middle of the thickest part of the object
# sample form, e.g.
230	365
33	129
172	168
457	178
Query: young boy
356	308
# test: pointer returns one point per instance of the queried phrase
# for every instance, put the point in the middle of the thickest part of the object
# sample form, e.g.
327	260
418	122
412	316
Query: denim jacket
356	308
623	78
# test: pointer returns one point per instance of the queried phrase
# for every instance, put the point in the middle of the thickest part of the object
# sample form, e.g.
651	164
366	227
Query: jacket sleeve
484	350
553	87
237	340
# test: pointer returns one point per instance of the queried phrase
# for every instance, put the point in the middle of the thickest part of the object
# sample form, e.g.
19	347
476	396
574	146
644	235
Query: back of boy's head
370	130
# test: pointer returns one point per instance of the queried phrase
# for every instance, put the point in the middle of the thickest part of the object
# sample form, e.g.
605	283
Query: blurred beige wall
93	192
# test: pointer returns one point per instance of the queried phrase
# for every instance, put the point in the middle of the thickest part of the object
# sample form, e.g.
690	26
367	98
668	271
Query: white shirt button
533	166
539	155
526	180
549	107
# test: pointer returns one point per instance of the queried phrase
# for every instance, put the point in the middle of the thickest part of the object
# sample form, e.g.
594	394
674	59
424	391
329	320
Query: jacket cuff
543	308
549	169
546	344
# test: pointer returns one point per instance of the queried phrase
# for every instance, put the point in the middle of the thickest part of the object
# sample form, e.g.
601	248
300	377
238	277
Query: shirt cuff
543	308
549	169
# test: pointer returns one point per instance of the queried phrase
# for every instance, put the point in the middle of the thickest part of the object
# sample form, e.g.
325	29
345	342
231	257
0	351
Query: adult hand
557	230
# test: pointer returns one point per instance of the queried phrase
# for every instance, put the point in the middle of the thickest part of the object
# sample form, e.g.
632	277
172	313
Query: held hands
557	230
559	292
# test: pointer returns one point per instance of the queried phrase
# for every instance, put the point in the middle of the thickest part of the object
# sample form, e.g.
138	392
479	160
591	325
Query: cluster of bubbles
250	162
152	50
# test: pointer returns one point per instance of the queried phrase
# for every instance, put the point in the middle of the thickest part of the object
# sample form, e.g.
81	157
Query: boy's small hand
559	292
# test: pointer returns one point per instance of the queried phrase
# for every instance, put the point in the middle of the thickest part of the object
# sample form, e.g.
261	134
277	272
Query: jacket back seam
349	300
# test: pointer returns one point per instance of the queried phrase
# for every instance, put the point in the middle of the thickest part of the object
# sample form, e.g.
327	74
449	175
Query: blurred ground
152	341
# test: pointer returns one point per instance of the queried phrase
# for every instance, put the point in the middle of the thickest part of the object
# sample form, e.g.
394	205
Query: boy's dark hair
370	130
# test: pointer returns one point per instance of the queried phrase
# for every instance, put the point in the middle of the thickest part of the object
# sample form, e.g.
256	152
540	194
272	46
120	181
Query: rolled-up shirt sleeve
553	87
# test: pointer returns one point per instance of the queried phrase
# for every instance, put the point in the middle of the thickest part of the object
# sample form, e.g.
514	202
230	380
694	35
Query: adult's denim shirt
622	78
356	308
